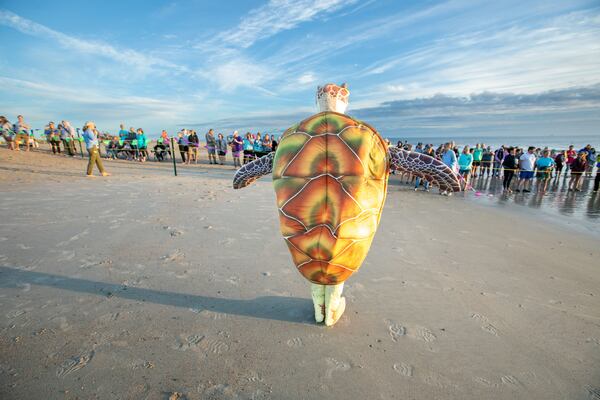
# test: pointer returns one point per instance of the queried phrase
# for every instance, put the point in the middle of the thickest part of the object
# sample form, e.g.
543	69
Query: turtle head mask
331	97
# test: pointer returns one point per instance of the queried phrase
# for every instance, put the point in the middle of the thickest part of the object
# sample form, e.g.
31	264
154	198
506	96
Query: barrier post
79	140
173	156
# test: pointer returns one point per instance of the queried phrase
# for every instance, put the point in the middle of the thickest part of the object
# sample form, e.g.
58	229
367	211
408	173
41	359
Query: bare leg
335	304
318	297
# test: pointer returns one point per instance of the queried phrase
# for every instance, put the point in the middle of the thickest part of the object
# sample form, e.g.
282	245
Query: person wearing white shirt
526	165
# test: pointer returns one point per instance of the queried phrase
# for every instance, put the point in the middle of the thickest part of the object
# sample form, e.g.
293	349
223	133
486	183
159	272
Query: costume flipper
250	172
426	167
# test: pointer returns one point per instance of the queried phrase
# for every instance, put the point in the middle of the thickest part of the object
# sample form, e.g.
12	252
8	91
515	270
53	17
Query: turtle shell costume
330	176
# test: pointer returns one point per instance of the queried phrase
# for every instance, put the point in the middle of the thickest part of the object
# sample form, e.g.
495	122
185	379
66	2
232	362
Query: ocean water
553	142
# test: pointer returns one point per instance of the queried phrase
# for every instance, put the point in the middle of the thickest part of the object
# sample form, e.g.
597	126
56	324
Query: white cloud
274	17
238	72
307	79
93	101
133	58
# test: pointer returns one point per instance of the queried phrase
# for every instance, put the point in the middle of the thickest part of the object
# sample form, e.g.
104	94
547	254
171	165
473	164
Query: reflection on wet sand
557	200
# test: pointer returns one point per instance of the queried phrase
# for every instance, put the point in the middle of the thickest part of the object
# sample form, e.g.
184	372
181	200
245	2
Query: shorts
464	171
221	153
526	175
476	162
544	173
211	150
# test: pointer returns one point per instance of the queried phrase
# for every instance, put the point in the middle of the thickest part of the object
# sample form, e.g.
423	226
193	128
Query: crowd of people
508	162
517	167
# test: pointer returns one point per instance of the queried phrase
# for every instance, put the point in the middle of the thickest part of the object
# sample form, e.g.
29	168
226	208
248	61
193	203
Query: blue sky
422	68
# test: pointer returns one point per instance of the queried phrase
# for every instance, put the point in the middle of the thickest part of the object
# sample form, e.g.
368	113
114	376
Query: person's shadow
279	308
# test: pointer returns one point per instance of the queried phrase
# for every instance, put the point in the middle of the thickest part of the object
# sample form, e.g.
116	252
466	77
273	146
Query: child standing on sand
221	148
91	144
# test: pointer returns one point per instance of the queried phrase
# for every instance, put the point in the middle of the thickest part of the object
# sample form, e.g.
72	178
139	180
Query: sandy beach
147	286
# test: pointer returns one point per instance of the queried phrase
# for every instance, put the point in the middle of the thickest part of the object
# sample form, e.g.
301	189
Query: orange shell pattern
330	176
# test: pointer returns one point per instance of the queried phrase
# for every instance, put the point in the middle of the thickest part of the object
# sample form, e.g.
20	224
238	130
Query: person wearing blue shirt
90	135
123	132
465	162
248	148
544	166
449	156
257	146
142	144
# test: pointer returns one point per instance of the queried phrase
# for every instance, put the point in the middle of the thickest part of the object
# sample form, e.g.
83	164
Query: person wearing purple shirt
237	146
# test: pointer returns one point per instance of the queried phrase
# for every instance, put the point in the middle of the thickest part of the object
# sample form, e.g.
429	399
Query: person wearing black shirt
510	165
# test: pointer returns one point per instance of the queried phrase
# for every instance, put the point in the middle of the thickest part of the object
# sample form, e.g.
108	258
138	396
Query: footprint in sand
511	381
485	324
214	346
295	342
334	365
74	364
190	342
396	331
484	382
404	369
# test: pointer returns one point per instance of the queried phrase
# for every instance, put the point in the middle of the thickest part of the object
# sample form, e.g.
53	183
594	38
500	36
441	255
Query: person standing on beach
257	146
571	156
21	130
526	166
597	178
275	143
91	144
122	132
559	161
498	160
509	163
52	137
67	135
237	146
465	162
211	146
477	157
544	166
591	157
6	131
221	146
194	144
183	143
486	161
248	148
266	144
578	167
142	144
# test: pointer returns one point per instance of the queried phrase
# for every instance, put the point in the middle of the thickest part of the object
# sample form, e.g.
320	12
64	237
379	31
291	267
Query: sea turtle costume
330	176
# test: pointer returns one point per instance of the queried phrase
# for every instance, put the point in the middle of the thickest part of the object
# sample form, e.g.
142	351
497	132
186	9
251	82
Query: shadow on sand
278	308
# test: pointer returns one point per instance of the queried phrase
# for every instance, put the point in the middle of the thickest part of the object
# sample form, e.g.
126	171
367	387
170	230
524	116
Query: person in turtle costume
330	176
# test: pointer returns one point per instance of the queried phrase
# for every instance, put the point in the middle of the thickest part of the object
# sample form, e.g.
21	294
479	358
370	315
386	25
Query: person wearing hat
91	143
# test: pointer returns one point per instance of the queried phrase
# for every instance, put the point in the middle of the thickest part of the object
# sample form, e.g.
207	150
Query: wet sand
142	285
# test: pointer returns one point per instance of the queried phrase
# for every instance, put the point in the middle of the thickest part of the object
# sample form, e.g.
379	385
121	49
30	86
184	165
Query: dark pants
183	151
597	180
508	175
55	146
